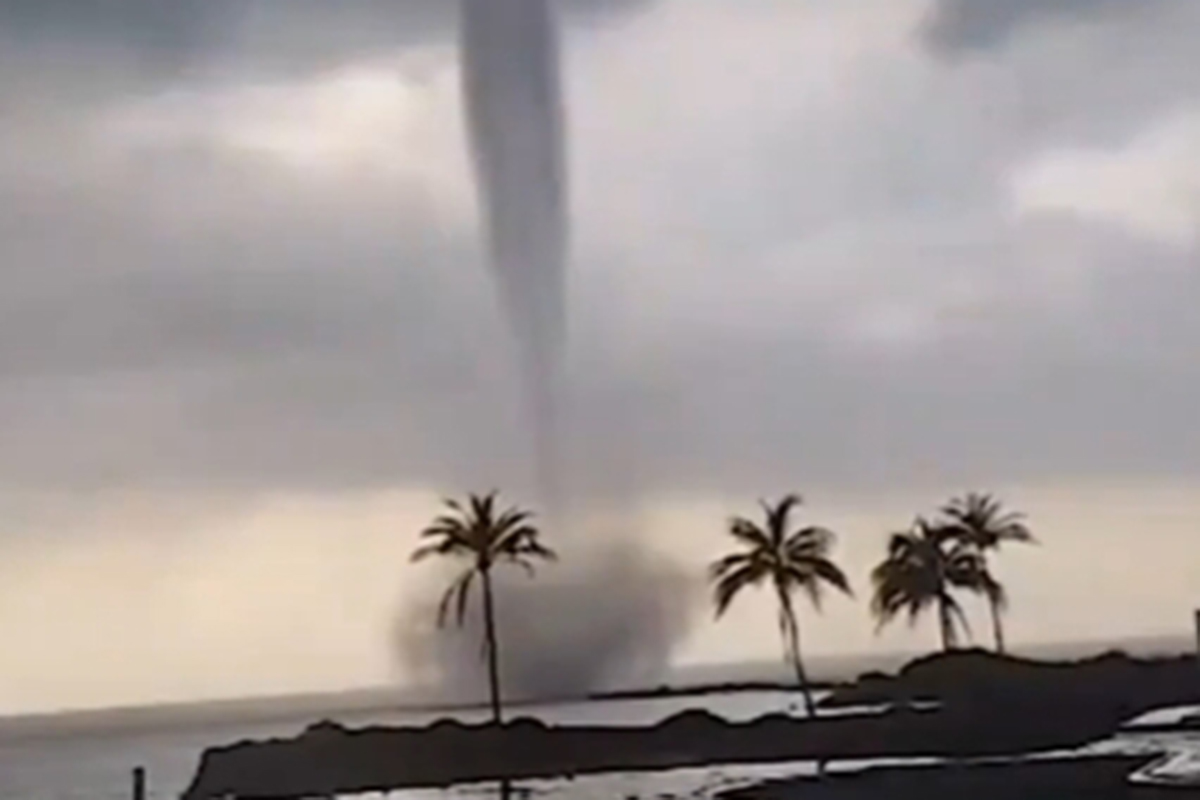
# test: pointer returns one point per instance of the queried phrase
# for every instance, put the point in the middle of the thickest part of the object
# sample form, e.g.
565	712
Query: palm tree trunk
946	623
791	638
997	626
492	645
791	628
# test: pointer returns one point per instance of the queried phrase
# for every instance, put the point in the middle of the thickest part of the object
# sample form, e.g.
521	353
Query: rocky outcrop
982	705
1113	685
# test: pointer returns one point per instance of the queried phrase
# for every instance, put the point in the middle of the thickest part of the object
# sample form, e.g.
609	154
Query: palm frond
482	506
479	504
513	519
956	612
814	589
810	542
472	529
778	515
526	554
524	564
456	595
898	587
749	533
532	547
921	565
902	545
993	590
727	587
915	610
965	567
447	526
722	566
512	539
446	547
891	599
792	560
982	520
828	572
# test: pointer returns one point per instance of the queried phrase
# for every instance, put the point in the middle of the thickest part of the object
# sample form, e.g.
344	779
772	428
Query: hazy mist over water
425	700
612	616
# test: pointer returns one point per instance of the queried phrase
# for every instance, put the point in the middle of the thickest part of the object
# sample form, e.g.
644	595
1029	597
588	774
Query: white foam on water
1177	768
1163	717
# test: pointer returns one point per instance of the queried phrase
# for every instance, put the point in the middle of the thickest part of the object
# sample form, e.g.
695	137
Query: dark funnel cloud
514	111
610	611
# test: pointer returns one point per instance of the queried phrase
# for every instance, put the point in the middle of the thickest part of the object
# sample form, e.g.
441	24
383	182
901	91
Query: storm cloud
240	250
278	282
977	24
168	38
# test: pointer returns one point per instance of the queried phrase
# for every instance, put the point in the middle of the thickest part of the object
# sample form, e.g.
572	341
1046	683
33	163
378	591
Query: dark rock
325	728
985	705
976	677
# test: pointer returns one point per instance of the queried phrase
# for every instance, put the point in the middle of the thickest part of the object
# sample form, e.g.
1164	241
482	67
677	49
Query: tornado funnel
515	118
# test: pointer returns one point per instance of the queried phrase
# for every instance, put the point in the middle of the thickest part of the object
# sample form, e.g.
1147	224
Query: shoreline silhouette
954	705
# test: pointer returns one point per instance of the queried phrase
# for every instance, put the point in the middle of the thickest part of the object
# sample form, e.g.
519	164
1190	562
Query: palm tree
981	521
922	568
788	560
484	536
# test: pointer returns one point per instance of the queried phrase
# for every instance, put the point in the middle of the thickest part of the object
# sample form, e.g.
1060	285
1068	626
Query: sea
98	764
84	758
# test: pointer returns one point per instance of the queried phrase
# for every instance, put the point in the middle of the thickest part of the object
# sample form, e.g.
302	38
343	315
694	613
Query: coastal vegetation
981	521
926	568
485	536
923	567
787	561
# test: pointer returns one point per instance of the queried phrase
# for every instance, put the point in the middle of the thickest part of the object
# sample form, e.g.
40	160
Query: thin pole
139	783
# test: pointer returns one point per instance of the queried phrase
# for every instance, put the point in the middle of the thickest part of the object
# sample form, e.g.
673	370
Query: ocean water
98	765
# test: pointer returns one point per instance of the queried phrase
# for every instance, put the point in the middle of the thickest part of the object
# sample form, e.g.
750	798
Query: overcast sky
876	250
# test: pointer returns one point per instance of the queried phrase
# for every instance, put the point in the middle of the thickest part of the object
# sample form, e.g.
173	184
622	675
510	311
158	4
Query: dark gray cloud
964	25
195	333
173	39
762	294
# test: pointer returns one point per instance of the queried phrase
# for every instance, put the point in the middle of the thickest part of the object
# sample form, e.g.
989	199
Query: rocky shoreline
959	705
